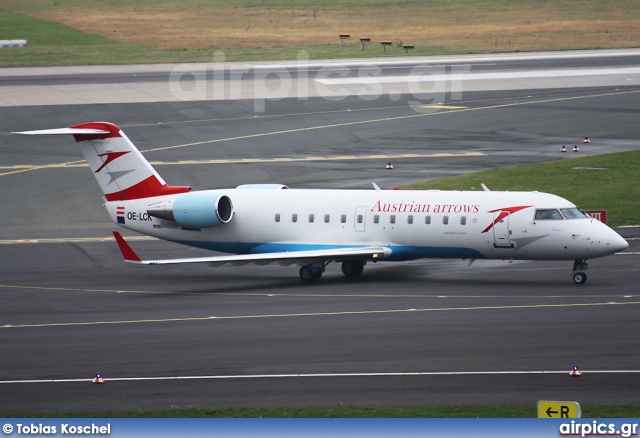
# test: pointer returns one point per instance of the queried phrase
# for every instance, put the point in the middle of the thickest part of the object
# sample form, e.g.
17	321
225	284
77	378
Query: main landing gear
350	268
579	266
311	273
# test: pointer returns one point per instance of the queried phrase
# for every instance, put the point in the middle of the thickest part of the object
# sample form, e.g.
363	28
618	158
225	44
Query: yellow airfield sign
558	409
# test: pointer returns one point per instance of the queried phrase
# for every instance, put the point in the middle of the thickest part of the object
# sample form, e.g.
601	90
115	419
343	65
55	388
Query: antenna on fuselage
375	186
485	188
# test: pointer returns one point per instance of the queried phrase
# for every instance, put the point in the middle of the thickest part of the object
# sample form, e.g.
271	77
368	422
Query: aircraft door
359	220
501	230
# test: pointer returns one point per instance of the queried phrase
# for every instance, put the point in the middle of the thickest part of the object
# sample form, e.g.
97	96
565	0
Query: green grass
54	44
601	182
43	33
438	411
51	44
157	33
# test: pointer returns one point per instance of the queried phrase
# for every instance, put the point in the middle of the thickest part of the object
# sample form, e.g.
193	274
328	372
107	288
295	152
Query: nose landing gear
579	266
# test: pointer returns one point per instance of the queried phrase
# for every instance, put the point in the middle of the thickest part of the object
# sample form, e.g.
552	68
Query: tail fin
121	170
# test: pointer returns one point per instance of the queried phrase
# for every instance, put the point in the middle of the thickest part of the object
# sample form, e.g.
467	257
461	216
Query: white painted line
142	69
479	76
286	376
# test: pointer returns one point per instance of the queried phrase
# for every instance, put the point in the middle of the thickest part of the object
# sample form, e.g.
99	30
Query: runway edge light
575	371
98	379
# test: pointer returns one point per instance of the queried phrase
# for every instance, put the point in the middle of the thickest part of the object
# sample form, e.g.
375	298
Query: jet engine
195	209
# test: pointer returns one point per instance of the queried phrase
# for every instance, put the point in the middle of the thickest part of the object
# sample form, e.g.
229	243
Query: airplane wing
282	258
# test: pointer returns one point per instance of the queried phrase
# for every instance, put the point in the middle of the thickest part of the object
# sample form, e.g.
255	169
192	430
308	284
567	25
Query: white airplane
266	223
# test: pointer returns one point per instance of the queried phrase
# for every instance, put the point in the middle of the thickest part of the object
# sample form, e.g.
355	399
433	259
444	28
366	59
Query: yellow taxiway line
316	314
443	111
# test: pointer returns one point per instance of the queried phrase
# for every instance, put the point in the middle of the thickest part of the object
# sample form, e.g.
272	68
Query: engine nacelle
195	209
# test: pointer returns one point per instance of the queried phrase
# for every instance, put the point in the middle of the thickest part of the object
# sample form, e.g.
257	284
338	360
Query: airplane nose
616	243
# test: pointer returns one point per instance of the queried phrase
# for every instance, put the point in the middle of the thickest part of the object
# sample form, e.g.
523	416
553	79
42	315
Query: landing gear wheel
579	277
579	266
308	274
352	268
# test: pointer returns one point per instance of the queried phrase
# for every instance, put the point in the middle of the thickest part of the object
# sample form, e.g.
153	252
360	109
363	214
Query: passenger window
463	220
359	219
445	220
392	219
277	217
327	217
545	214
427	220
294	217
376	219
410	219
343	218
311	217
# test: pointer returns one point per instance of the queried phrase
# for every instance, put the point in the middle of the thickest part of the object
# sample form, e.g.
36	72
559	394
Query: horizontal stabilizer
63	131
284	258
121	170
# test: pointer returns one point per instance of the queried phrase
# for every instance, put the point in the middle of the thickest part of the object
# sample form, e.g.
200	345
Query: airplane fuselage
412	224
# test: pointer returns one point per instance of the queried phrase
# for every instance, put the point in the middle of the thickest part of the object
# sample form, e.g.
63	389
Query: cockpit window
574	213
550	213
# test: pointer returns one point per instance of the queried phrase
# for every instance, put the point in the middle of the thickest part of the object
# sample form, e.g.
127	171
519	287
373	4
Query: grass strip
169	31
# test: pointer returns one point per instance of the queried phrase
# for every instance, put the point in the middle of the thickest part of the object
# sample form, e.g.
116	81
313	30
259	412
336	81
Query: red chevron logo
110	157
504	212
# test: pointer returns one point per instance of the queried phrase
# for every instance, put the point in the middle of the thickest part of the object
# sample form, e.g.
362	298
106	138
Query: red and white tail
121	170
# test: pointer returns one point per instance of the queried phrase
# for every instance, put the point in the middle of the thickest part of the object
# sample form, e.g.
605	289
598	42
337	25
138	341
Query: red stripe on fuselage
146	189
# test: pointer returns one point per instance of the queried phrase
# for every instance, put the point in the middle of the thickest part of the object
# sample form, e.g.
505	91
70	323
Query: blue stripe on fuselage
398	253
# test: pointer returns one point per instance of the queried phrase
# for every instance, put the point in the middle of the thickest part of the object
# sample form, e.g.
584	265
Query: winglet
127	252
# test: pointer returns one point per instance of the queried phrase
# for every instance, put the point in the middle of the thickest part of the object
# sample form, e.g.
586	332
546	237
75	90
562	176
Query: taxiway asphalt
425	332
